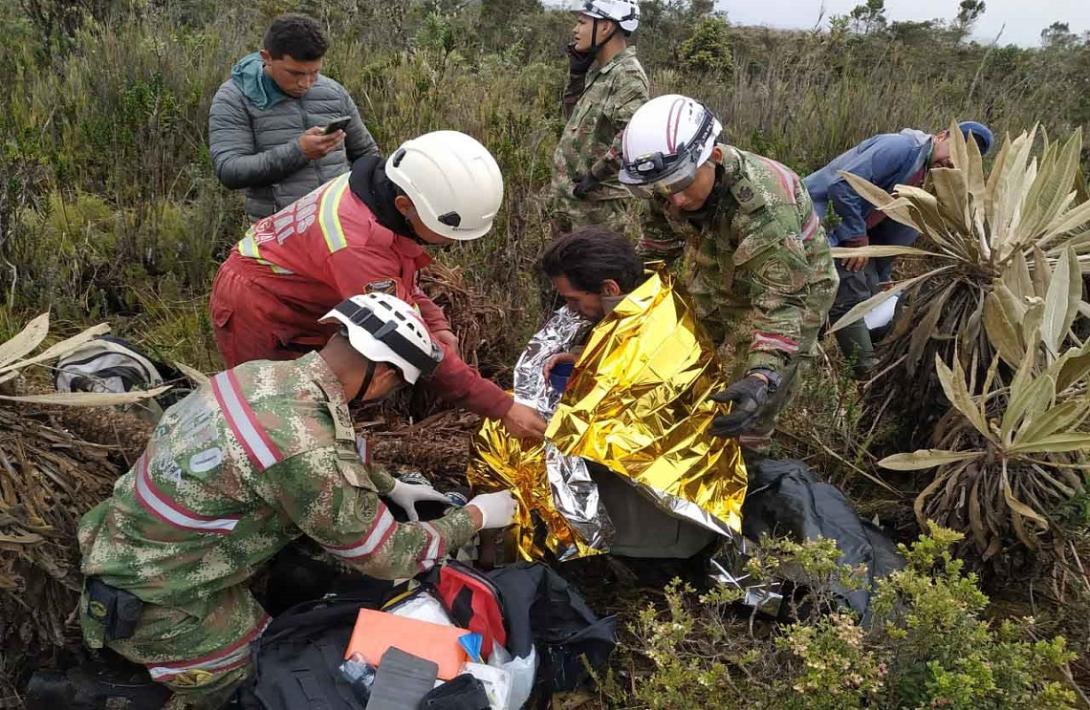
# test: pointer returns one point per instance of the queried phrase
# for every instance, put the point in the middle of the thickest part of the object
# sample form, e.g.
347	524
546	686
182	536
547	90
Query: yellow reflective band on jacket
248	246
249	249
275	269
328	216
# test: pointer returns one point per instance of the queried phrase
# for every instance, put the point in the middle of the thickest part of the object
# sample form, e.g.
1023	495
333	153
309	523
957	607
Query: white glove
407	495
497	509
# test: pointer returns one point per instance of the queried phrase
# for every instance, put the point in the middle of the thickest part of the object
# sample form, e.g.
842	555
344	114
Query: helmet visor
670	184
661	174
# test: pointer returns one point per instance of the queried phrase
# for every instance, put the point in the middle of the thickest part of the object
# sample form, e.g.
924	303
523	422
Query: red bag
472	602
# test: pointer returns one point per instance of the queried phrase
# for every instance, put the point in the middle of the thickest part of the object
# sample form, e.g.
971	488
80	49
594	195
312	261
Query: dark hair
296	35
590	256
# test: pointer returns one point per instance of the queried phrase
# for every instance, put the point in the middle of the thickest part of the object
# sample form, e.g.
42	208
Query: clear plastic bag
422	606
521	672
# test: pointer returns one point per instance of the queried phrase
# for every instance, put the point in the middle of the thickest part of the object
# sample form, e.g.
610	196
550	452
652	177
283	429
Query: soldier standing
606	85
757	263
261	455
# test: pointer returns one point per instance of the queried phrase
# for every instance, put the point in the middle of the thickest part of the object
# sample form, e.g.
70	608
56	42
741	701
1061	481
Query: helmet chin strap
412	230
594	45
368	377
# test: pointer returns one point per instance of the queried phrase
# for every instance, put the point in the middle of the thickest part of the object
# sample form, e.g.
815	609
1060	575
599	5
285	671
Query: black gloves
583	185
579	62
747	396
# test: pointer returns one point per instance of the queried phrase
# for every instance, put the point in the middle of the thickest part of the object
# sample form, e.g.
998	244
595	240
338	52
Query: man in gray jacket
267	124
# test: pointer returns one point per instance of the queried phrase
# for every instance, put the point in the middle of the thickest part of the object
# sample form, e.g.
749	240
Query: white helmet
383	328
453	181
626	13
666	140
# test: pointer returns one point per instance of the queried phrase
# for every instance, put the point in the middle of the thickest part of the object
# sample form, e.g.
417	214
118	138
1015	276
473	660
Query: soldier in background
757	264
261	455
606	85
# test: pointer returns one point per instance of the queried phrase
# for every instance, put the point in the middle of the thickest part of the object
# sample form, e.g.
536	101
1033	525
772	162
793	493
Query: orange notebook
377	631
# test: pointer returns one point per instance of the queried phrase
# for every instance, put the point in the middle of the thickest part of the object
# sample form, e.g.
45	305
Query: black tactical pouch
117	610
462	693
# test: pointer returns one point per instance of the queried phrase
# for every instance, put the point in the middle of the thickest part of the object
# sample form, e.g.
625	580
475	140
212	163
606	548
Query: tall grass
111	210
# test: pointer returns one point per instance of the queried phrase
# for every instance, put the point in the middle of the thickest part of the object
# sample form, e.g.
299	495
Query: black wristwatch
774	378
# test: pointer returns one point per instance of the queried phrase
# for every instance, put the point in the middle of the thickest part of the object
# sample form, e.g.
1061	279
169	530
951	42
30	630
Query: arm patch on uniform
774	271
747	196
387	286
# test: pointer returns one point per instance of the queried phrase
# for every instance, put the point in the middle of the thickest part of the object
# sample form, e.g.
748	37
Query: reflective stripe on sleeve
786	177
363	449
260	449
382	527
152	499
329	218
234	656
811	227
436	545
275	269
248	246
774	341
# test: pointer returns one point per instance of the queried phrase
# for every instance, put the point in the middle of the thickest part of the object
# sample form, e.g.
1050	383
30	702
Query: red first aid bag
472	602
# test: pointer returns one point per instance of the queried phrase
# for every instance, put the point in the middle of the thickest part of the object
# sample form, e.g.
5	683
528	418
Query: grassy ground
109	210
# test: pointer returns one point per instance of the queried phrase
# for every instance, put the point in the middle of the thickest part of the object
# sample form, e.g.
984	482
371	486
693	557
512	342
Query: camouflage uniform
758	268
591	144
261	455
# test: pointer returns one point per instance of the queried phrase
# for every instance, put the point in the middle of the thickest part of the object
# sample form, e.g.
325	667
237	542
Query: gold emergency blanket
637	403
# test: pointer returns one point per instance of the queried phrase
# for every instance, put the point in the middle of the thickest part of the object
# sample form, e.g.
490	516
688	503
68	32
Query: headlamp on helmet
666	174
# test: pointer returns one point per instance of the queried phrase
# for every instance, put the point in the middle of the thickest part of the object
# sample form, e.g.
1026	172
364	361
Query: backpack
111	364
297	659
785	498
471	600
524	607
544	611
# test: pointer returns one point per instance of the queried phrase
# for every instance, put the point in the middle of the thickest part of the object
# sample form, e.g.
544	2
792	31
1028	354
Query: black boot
108	681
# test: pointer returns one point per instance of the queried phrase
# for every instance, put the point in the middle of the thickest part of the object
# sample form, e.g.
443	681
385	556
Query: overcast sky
1024	19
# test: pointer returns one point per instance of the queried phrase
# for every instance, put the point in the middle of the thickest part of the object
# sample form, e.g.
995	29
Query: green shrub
942	653
88	260
927	646
707	50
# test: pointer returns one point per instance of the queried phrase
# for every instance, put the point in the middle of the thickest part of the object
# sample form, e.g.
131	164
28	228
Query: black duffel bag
297	659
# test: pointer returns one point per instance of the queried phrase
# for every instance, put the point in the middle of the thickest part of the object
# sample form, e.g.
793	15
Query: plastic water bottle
360	675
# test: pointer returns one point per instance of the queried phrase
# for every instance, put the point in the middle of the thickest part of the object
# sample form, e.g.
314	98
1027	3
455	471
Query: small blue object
558	376
471	642
414	478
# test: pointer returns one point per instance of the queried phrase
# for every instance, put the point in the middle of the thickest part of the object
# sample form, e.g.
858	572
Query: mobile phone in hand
337	124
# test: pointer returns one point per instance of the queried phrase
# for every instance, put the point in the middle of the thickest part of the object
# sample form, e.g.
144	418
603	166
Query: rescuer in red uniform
365	232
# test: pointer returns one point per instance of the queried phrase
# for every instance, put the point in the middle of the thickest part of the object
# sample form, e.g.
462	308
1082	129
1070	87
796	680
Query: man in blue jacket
267	124
885	160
